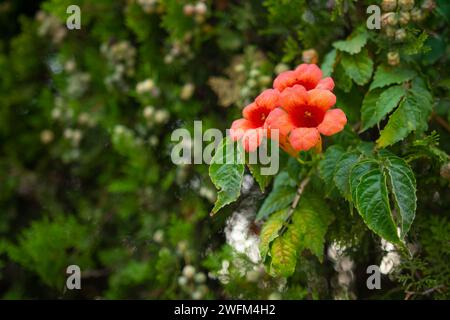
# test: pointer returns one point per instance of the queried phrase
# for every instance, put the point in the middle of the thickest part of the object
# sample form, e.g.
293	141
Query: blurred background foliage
86	176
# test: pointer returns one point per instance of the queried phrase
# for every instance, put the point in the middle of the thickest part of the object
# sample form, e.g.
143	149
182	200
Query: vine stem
298	194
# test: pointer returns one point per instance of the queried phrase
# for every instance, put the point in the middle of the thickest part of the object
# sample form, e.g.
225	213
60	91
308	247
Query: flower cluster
298	106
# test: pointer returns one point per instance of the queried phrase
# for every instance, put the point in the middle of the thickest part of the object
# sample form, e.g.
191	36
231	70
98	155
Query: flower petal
308	75
293	97
238	128
279	119
252	139
304	138
269	99
326	84
333	122
321	99
284	80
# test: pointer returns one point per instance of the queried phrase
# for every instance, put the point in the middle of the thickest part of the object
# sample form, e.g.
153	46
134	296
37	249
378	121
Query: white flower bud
200	8
189	271
47	136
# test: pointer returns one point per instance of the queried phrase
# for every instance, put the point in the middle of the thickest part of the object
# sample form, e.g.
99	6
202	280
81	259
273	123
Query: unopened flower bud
417	15
188	10
400	35
281	67
389	31
187	91
200	277
239	68
404	18
393	58
158	236
389	5
189	271
406	5
148	112
200	8
429	5
47	136
389	19
310	56
182	281
161	116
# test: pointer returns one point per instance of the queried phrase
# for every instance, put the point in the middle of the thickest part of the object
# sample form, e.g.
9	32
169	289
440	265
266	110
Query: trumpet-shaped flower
304	115
251	128
307	75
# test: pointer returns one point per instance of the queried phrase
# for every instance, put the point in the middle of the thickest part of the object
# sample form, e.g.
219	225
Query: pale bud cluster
147	87
155	116
149	6
73	135
47	136
187	91
197	10
51	26
193	282
121	58
180	48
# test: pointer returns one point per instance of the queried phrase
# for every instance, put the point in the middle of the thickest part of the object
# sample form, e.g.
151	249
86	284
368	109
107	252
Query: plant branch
298	194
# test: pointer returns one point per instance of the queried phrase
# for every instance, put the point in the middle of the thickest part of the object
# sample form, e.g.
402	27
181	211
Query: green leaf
280	198
270	231
226	171
310	222
373	204
284	257
403	188
358	67
386	75
342	80
355	42
356	172
376	106
327	66
411	115
262	180
328	164
342	172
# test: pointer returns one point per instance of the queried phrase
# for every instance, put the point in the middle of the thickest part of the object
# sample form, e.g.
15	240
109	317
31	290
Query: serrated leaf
411	115
310	222
403	188
270	231
356	172
284	257
342	172
377	105
226	171
386	75
354	43
327	66
262	180
342	80
327	166
358	67
373	204
280	198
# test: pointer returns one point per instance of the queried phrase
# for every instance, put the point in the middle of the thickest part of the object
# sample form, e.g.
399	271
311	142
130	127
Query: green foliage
226	171
86	119
411	115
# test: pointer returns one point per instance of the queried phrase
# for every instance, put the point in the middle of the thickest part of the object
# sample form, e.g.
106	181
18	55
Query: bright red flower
251	128
304	115
307	75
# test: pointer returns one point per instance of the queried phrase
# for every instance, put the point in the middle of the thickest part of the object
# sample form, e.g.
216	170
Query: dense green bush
86	118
